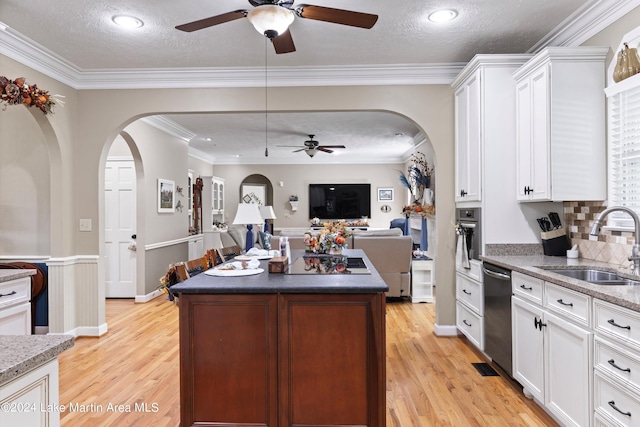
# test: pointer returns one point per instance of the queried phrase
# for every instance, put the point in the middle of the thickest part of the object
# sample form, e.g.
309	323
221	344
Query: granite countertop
536	265
7	274
266	282
20	354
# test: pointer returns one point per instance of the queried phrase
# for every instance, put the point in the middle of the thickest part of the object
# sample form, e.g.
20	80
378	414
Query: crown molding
27	52
170	127
585	23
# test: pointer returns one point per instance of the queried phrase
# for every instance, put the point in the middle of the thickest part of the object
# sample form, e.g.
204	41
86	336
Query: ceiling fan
273	17
311	147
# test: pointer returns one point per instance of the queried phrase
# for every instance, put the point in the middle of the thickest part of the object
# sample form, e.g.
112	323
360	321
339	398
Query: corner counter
537	266
283	349
29	379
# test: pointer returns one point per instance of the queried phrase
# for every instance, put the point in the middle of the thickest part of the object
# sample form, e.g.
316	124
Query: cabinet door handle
525	288
613	363
463	193
613	322
6	295
466	323
569	304
466	292
613	405
538	323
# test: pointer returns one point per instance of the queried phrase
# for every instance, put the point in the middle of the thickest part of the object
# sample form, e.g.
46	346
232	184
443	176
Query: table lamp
248	214
267	213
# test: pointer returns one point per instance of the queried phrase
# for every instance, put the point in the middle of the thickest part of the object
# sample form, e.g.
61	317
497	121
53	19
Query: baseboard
87	331
41	330
148	297
445	330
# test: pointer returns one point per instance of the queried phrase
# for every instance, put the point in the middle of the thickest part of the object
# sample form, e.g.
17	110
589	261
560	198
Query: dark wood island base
283	358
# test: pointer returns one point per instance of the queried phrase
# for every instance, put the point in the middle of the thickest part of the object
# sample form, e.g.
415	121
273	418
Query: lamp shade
269	18
248	213
267	212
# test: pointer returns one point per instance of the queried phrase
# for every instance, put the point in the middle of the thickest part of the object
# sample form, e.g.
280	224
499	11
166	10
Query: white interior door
120	225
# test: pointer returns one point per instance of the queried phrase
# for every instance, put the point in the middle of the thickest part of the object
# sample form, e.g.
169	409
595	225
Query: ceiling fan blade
333	146
284	43
302	149
324	148
211	21
337	16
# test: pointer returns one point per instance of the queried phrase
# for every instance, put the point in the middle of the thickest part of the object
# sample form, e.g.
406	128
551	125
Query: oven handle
495	274
467	225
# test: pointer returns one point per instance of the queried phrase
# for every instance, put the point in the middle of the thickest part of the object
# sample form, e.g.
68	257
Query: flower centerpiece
327	265
332	238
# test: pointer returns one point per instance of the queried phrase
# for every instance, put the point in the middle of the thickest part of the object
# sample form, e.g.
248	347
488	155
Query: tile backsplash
610	246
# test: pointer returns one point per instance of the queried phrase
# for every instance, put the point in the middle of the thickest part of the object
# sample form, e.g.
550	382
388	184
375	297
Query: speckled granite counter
624	295
20	354
7	274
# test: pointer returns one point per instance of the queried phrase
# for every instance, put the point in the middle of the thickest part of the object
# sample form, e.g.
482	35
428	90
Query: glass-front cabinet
217	199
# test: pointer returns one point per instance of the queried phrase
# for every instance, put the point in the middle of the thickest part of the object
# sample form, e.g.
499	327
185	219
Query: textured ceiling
81	34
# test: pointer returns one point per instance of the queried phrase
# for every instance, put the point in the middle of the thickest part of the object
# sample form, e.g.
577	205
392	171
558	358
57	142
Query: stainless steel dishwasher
497	315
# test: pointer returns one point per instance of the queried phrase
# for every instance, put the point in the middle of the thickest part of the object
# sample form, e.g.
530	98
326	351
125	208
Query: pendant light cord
266	106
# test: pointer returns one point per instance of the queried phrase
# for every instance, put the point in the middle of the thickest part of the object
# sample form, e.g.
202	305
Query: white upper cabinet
484	122
560	125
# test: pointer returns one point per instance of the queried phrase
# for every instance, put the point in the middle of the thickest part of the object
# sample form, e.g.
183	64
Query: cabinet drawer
470	324
617	362
470	292
15	291
613	402
570	304
617	323
16	320
474	271
527	287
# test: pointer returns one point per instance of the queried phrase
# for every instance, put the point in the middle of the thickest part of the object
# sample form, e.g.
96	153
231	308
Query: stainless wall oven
468	222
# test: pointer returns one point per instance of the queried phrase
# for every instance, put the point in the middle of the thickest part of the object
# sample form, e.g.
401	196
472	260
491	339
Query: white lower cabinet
470	306
32	399
552	356
616	395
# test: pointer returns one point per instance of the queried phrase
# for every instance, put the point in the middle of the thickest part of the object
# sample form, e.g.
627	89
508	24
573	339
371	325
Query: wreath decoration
16	92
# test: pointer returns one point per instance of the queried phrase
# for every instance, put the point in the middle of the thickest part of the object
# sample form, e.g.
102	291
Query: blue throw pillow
265	240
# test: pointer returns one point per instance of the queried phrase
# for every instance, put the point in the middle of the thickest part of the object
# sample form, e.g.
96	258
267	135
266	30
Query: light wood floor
430	380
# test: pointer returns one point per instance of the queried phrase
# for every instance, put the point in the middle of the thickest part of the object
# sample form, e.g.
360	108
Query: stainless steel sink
597	277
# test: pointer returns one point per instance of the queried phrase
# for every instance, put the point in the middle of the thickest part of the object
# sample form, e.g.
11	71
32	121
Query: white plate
233	273
244	258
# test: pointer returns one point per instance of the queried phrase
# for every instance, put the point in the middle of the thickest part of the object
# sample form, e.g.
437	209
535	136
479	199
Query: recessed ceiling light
443	15
207	139
127	21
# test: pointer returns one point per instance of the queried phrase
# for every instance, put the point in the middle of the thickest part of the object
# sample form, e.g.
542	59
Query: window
624	153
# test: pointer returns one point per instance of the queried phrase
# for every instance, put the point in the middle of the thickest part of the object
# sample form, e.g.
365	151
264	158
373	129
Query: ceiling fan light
269	19
311	152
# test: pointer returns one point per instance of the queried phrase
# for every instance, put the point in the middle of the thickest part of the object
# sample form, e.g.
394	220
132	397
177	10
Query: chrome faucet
635	249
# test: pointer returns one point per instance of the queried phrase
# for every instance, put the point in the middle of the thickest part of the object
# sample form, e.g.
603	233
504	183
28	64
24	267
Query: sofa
388	250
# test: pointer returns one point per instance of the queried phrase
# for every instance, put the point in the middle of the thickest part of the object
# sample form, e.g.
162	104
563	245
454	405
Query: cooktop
328	264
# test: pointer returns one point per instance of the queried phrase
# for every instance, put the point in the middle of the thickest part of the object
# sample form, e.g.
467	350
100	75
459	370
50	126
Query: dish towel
462	255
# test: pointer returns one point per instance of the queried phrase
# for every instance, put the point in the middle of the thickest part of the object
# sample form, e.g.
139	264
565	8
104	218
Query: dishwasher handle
495	274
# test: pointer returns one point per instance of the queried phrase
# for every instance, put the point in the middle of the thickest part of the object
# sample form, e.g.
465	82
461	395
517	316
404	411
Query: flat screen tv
339	201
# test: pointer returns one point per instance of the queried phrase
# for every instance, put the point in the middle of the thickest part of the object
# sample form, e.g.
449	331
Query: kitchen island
284	349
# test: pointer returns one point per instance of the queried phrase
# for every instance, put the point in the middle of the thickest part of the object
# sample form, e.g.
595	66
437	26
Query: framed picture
254	193
385	194
166	195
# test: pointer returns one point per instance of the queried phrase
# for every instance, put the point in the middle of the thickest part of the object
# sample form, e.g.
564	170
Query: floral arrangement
426	210
333	235
327	265
418	176
16	92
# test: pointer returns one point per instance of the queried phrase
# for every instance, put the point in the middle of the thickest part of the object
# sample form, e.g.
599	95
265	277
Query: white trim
70	260
165	244
148	297
25	258
586	22
86	331
445	330
170	127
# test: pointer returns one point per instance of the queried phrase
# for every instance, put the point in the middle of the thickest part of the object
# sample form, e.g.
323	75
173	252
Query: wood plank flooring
430	380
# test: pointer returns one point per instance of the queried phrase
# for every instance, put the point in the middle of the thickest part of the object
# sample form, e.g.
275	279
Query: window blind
624	155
